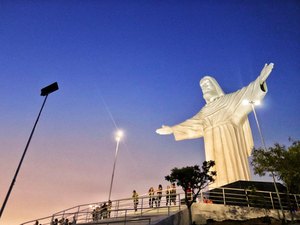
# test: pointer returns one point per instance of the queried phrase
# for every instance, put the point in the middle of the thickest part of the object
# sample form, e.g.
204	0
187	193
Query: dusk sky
134	65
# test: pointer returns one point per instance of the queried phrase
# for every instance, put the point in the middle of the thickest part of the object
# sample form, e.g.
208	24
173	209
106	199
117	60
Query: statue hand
164	130
265	72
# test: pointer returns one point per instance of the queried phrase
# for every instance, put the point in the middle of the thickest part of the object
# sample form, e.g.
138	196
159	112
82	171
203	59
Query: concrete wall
202	212
180	218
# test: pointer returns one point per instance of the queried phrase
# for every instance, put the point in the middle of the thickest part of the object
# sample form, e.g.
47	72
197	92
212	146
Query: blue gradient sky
141	62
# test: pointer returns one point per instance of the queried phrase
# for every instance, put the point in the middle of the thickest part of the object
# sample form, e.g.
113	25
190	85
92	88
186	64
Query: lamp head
49	89
119	135
251	102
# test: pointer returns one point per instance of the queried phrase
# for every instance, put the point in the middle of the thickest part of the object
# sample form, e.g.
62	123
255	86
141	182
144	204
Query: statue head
210	88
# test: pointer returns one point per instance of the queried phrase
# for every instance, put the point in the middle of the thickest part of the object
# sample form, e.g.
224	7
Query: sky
133	65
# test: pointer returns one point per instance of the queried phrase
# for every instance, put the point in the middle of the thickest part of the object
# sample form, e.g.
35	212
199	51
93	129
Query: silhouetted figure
173	193
135	197
168	196
104	211
151	197
109	205
159	195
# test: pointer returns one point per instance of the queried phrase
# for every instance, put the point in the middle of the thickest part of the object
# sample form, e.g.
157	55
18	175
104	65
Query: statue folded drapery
224	124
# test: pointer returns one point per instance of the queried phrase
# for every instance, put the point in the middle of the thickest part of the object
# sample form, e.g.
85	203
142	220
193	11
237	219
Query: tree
192	180
290	170
280	161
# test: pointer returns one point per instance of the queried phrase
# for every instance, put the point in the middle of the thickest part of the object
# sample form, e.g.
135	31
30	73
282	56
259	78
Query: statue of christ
223	123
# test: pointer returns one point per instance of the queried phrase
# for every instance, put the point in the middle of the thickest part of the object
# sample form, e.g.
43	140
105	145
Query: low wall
180	218
202	212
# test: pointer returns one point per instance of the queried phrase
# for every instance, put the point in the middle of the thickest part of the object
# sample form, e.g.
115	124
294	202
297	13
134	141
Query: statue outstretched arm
265	72
189	129
164	130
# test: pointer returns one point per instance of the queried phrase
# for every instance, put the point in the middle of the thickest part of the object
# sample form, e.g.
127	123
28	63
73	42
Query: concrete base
203	212
180	218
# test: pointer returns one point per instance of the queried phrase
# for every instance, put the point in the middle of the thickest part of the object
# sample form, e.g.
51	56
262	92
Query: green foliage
193	177
282	162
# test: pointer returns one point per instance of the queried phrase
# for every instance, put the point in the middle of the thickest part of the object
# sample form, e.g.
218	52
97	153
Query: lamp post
118	138
253	104
44	92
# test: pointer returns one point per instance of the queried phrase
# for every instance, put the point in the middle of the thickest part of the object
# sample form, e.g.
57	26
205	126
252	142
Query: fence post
296	201
272	200
117	207
224	200
142	206
125	216
76	217
247	198
179	201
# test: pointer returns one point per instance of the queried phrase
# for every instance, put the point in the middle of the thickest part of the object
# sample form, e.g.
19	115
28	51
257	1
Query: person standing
151	197
168	196
109	205
159	195
135	197
173	194
189	193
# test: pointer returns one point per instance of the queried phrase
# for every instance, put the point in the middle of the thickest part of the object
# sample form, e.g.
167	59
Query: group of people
63	221
102	212
155	196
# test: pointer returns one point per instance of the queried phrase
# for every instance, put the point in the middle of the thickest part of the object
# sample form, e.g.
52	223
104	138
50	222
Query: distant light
253	102
119	135
257	102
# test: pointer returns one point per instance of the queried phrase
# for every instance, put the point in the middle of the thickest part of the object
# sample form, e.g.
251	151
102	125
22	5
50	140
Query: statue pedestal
251	194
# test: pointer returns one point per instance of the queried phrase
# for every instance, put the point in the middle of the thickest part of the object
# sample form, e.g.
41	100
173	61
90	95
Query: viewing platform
224	204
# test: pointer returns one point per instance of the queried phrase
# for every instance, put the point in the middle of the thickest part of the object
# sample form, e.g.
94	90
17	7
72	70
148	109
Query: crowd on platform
155	196
103	211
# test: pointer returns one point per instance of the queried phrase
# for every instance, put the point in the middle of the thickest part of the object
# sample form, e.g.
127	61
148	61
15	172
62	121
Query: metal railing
122	211
250	198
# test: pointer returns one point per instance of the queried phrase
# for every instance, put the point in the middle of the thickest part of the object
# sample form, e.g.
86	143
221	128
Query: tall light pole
44	92
253	104
118	138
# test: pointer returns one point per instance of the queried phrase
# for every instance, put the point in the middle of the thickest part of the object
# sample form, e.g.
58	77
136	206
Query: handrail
120	209
123	208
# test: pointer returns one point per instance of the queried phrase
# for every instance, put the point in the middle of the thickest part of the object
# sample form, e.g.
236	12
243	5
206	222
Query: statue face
209	90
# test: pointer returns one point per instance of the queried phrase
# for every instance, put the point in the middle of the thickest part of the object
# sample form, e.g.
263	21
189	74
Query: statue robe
227	134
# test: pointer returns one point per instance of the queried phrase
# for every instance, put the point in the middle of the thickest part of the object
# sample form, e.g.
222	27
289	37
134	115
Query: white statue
224	124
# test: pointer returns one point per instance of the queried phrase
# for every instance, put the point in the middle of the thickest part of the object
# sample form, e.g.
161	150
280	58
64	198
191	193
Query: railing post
296	201
76	217
125	216
142	206
179	201
272	200
52	218
117	207
224	200
247	198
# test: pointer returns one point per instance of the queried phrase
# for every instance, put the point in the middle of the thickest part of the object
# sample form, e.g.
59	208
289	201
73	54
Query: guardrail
250	198
122	211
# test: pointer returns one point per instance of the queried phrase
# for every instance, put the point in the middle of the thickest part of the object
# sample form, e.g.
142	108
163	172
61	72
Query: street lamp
118	137
254	103
44	92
